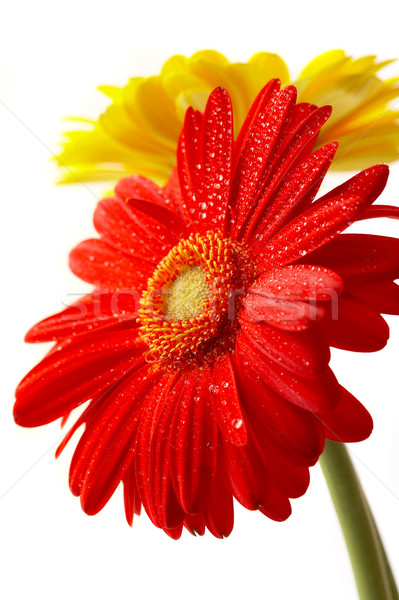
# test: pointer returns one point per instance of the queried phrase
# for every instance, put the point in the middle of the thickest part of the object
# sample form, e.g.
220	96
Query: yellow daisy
138	131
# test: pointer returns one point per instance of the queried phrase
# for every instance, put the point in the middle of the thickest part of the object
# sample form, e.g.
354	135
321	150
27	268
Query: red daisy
203	352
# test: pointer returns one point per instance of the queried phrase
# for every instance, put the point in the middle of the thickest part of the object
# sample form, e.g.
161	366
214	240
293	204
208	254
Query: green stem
391	579
373	574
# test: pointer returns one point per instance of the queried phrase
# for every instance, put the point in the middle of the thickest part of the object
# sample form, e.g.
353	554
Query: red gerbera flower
203	351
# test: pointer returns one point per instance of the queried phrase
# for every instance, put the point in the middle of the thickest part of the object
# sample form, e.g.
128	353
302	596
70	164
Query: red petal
92	312
284	314
131	495
247	471
381	210
140	188
262	142
349	421
175	227
288	473
134	231
277	296
298	142
358	327
301	111
299	282
315	394
172	193
359	259
190	167
304	352
296	430
296	193
99	263
313	228
264	97
295	148
152	457
74	373
204	162
76	351
195	524
279	510
368	184
218	148
226	402
93	406
291	479
219	513
193	449
382	296
175	532
113	219
106	448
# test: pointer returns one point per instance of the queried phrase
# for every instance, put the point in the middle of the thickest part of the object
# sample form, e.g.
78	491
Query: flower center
186	295
188	312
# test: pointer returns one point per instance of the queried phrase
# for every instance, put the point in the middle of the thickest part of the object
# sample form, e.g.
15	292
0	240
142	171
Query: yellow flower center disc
188	312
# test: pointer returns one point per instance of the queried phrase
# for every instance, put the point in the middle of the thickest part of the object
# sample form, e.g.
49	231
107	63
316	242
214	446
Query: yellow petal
322	62
138	132
271	66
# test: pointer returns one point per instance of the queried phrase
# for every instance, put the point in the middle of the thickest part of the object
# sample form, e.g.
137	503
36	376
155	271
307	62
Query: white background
52	56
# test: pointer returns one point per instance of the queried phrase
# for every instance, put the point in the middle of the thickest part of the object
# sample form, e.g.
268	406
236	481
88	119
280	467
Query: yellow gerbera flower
138	131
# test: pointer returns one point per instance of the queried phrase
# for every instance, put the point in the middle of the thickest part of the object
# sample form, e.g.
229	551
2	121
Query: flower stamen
186	295
188	312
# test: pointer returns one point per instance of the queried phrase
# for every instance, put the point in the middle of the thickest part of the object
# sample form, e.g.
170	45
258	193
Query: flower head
202	354
139	130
